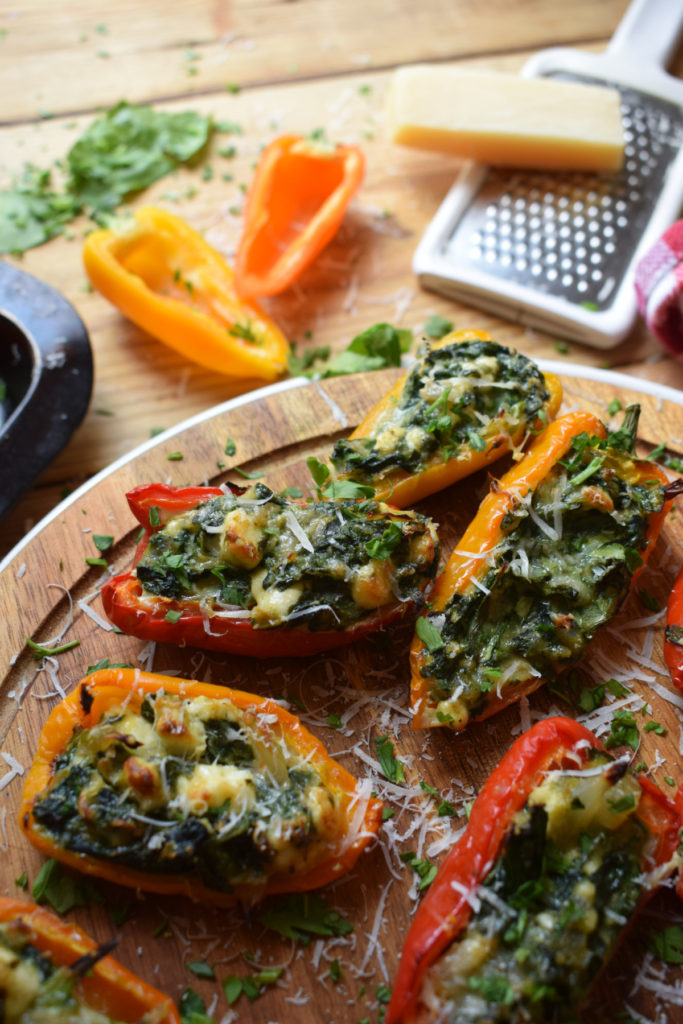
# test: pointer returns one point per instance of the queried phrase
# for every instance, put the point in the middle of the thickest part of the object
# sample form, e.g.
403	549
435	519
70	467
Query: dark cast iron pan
46	374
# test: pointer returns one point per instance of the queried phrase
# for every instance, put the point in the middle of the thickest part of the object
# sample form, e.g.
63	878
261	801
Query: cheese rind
506	120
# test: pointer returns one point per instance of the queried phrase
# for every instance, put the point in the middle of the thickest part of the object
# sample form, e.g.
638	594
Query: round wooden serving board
47	591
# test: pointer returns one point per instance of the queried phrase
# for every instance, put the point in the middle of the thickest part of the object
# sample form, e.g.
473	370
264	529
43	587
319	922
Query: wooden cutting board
47	591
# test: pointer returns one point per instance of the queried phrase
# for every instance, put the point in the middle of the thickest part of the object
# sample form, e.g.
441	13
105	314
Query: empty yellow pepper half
166	278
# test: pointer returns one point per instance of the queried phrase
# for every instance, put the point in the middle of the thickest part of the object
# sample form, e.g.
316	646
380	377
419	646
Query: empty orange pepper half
295	204
166	278
106	986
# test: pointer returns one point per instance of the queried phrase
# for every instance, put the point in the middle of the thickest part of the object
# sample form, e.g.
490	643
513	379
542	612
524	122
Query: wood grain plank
88	56
275	434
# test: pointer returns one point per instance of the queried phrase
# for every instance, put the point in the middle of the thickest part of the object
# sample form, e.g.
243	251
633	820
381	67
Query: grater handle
649	31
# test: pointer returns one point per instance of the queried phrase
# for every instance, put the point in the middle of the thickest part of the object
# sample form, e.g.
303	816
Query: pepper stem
625	437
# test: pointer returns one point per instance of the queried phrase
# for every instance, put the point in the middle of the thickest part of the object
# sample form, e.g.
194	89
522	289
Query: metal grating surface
572	235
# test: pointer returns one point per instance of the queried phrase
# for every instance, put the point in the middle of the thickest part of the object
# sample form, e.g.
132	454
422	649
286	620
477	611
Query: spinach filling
454	399
560	571
323	565
187	788
551	909
33	988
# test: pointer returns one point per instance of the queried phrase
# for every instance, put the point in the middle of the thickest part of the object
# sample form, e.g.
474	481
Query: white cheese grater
558	250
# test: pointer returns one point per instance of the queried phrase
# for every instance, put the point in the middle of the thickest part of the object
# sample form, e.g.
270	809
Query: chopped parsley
300	916
437	327
393	769
123	151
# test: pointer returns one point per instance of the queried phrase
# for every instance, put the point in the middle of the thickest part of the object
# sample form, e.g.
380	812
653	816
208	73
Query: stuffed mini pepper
563	845
255	573
547	560
50	971
176	786
466	402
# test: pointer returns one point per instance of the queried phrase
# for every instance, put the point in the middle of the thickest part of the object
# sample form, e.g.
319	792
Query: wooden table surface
271	66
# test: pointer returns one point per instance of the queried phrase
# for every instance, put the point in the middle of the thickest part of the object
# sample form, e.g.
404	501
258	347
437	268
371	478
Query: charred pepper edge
445	910
402	488
108	986
110	686
485	531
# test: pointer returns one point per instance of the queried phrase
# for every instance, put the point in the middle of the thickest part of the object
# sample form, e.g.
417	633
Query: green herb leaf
129	148
336	973
106	663
668	944
232	986
614	407
154	517
175	456
193	1008
340	490
254	475
62	890
623	731
382	547
173	615
318	470
626	803
393	769
22	880
201	969
428	634
302	915
102	541
437	327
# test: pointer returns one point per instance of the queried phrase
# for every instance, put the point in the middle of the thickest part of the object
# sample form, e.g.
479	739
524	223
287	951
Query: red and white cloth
659	288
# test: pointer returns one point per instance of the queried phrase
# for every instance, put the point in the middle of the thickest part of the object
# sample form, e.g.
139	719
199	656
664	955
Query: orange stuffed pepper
175	786
547	560
52	969
466	402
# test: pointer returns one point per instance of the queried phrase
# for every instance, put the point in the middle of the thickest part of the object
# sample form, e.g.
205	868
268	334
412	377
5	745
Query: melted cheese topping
193	786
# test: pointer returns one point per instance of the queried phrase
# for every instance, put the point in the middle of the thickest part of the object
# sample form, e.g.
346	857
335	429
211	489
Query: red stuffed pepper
673	635
52	971
254	573
563	845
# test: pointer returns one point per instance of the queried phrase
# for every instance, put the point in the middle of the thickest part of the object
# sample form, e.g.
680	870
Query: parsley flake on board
62	890
376	348
437	327
392	768
668	944
300	916
193	1009
201	969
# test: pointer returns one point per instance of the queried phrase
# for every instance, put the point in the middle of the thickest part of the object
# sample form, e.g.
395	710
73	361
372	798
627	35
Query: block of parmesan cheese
506	120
